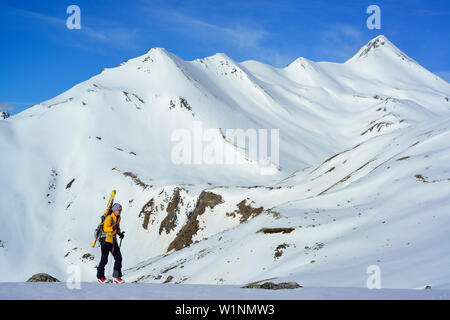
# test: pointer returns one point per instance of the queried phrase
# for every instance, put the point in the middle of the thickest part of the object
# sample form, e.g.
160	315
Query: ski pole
120	243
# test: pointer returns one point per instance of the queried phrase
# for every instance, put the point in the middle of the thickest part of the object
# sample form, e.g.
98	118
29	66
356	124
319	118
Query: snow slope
363	177
152	291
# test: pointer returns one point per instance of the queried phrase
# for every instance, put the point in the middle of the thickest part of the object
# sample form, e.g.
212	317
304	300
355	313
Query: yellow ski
107	209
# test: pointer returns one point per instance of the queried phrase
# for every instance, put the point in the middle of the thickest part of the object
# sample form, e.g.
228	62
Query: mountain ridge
363	153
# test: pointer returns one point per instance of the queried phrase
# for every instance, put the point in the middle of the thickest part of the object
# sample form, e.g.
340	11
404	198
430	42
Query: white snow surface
183	292
364	174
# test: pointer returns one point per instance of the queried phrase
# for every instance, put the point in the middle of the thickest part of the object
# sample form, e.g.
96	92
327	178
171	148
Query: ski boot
118	280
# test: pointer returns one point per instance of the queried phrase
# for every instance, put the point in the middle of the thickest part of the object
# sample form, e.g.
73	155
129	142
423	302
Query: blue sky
41	58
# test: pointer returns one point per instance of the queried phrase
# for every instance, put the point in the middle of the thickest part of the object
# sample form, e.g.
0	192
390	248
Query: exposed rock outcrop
42	277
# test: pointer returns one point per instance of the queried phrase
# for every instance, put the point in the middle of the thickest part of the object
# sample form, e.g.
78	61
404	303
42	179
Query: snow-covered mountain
363	176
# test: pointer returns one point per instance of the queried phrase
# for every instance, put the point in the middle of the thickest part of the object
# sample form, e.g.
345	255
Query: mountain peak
221	57
378	42
157	52
301	61
378	46
157	49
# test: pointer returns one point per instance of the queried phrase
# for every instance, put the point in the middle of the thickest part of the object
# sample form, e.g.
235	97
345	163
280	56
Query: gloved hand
121	234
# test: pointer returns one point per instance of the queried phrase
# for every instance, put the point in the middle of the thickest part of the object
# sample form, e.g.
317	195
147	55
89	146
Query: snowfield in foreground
363	178
151	291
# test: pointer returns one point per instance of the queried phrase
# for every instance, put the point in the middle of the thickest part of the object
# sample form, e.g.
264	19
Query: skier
108	242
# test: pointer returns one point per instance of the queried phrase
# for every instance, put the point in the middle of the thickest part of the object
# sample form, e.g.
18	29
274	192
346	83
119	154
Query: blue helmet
116	207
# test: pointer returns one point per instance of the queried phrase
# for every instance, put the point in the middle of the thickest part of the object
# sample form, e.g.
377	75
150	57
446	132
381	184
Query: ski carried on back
99	229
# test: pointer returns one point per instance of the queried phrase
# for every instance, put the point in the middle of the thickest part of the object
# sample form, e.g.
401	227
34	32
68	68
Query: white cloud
248	40
340	41
342	32
4	106
108	33
239	35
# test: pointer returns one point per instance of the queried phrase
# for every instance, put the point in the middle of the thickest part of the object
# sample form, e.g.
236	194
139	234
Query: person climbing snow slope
108	243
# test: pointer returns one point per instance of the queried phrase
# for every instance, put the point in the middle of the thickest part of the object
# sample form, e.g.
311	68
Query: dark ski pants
108	247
